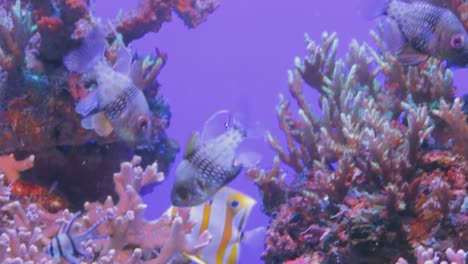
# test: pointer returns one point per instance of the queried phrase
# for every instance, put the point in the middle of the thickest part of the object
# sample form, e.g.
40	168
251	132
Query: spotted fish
207	166
116	104
416	30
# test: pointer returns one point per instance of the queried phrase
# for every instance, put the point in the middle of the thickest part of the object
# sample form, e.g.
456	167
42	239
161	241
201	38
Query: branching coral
378	172
27	227
38	94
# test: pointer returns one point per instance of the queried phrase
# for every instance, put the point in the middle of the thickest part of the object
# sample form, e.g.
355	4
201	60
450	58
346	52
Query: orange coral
51	24
34	193
11	167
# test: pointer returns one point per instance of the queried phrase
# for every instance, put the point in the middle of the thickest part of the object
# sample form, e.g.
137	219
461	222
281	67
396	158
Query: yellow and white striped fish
224	216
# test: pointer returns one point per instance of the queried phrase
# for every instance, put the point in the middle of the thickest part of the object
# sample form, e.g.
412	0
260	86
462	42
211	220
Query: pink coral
132	239
11	167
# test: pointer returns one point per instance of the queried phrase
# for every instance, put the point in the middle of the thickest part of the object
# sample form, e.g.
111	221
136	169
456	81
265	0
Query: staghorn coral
28	227
38	94
378	172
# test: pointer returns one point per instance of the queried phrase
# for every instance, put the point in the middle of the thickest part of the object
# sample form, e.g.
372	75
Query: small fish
416	30
207	165
121	105
68	245
225	217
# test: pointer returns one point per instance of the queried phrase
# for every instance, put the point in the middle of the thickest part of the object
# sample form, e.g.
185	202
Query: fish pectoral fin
192	144
407	55
87	104
99	123
194	258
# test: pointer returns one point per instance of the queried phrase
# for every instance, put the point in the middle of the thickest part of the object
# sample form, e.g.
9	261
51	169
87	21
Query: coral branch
380	170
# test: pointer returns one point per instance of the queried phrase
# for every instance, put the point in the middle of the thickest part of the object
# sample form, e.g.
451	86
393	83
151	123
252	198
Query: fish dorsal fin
123	60
215	125
192	144
439	3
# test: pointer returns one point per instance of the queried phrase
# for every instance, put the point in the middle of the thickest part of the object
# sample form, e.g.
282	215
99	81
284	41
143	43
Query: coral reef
38	94
380	171
27	227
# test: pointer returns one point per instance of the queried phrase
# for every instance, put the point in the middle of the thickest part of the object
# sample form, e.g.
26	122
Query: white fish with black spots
208	164
116	104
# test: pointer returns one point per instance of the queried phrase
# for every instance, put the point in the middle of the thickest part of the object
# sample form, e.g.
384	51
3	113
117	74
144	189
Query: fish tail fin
89	53
254	237
371	9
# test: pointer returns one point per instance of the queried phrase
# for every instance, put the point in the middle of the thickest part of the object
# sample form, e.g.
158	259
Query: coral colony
380	172
50	163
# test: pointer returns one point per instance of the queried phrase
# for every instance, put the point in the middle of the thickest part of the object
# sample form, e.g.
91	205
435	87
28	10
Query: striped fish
224	216
69	245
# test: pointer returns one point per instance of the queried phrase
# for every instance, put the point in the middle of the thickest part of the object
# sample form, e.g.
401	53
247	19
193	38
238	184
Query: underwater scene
224	132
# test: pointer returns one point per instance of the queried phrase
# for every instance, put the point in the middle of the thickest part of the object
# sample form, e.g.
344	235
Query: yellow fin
192	144
99	123
194	258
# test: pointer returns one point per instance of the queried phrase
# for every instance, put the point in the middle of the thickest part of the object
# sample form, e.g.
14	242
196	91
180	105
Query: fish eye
457	41
234	204
143	123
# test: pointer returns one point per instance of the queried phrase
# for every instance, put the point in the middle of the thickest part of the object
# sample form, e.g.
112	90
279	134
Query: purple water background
238	59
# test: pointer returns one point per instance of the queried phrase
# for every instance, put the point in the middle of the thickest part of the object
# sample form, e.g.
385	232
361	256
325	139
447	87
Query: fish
68	245
417	30
224	216
116	104
208	164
